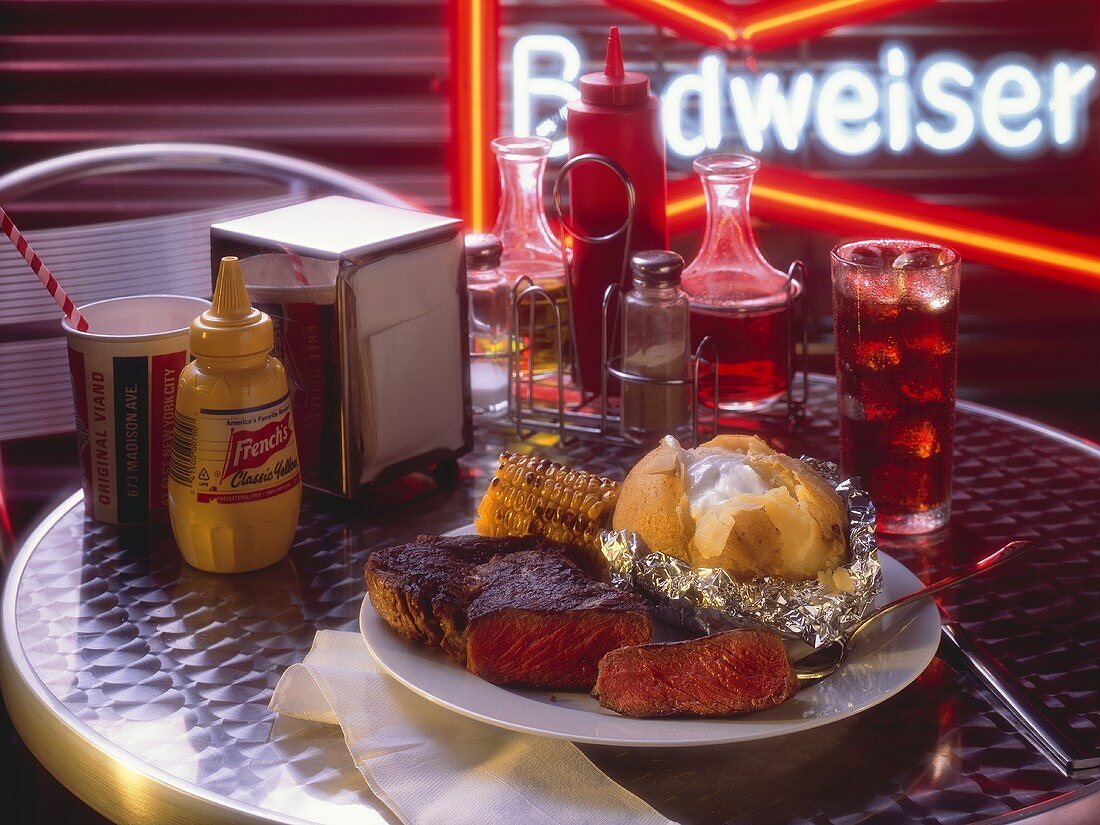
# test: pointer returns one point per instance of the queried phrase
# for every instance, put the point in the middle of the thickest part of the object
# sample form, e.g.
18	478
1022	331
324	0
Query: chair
161	253
167	253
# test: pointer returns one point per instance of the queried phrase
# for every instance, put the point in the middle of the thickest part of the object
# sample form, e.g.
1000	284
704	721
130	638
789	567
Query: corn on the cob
534	496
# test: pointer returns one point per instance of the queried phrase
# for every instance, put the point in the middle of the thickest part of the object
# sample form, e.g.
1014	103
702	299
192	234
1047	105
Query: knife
1058	741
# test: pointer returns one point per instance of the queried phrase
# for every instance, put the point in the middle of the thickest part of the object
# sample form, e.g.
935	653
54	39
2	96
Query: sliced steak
540	621
726	674
422	589
513	610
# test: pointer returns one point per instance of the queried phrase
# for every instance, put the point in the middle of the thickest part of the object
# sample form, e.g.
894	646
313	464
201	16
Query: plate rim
535	728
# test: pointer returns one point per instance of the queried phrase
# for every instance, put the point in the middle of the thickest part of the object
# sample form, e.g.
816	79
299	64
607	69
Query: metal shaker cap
657	267
483	251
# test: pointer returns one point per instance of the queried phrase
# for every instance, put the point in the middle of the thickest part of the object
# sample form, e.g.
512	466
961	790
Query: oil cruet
529	248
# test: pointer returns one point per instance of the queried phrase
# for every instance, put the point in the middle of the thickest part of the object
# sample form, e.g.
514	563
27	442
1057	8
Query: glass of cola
896	316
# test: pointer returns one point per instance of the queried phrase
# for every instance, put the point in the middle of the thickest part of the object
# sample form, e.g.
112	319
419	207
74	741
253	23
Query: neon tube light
704	21
824	203
475	108
1022	106
761	25
779	25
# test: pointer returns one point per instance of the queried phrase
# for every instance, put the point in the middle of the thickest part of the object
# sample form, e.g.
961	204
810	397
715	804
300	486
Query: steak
422	589
539	621
726	674
515	611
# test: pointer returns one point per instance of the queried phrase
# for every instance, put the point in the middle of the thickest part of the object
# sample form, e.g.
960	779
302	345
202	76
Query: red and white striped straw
296	266
77	320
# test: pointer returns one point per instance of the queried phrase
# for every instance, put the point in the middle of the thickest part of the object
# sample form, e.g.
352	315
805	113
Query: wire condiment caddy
595	418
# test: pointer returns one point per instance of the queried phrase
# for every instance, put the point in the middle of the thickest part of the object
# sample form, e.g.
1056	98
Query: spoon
826	660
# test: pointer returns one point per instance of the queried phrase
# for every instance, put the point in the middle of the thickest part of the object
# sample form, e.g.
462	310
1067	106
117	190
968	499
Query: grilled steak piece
540	621
726	674
422	589
513	610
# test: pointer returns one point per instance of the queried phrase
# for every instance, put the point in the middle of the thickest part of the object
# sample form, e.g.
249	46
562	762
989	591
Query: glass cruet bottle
656	346
530	248
737	298
489	309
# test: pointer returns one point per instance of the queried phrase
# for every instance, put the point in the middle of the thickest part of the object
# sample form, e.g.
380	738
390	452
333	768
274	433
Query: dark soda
896	354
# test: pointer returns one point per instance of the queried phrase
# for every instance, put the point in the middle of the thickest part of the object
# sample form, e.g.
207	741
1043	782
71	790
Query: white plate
890	655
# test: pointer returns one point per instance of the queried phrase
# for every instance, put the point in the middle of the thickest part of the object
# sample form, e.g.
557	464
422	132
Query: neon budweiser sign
943	103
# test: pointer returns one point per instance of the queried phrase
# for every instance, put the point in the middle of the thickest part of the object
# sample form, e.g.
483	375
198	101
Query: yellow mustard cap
231	327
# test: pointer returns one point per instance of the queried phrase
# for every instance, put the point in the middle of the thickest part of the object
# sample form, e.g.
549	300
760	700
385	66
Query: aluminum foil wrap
709	600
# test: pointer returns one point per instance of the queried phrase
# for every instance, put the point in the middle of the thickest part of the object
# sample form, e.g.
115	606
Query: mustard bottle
234	488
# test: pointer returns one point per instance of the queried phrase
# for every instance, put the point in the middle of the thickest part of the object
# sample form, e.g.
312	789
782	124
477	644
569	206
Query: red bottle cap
614	86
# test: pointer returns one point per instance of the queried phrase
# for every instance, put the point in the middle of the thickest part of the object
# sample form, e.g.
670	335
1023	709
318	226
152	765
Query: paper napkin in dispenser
369	303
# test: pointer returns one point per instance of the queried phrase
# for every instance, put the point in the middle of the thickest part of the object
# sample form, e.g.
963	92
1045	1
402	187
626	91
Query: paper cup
125	372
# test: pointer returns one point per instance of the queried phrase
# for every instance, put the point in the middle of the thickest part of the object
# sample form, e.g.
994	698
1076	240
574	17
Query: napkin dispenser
369	305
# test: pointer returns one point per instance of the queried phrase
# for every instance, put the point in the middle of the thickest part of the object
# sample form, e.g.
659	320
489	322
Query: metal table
142	684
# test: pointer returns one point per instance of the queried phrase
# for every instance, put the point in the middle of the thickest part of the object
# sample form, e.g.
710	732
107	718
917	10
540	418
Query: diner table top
143	684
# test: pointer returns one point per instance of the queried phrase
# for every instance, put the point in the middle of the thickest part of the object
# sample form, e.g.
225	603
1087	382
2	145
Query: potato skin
650	505
653	503
737	443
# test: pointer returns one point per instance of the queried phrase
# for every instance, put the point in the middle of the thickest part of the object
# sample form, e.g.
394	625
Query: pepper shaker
657	347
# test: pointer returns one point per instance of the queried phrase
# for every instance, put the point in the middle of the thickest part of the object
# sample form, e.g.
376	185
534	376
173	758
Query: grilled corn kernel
535	496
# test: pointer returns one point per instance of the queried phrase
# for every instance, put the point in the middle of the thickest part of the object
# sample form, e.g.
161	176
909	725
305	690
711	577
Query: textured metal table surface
143	684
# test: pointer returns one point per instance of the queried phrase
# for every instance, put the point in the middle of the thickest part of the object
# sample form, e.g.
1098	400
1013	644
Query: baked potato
737	504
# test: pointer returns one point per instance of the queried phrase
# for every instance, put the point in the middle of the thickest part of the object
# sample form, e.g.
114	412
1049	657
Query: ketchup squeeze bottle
234	487
616	116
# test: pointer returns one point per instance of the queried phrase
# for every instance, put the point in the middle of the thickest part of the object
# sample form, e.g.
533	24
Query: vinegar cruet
737	298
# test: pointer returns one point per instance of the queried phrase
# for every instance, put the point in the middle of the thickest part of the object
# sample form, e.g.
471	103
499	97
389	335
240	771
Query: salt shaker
656	349
489	310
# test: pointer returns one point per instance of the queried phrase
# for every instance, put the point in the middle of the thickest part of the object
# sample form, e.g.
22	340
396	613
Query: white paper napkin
430	765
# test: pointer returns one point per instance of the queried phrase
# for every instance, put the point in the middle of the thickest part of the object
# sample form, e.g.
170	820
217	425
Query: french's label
237	456
249	449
